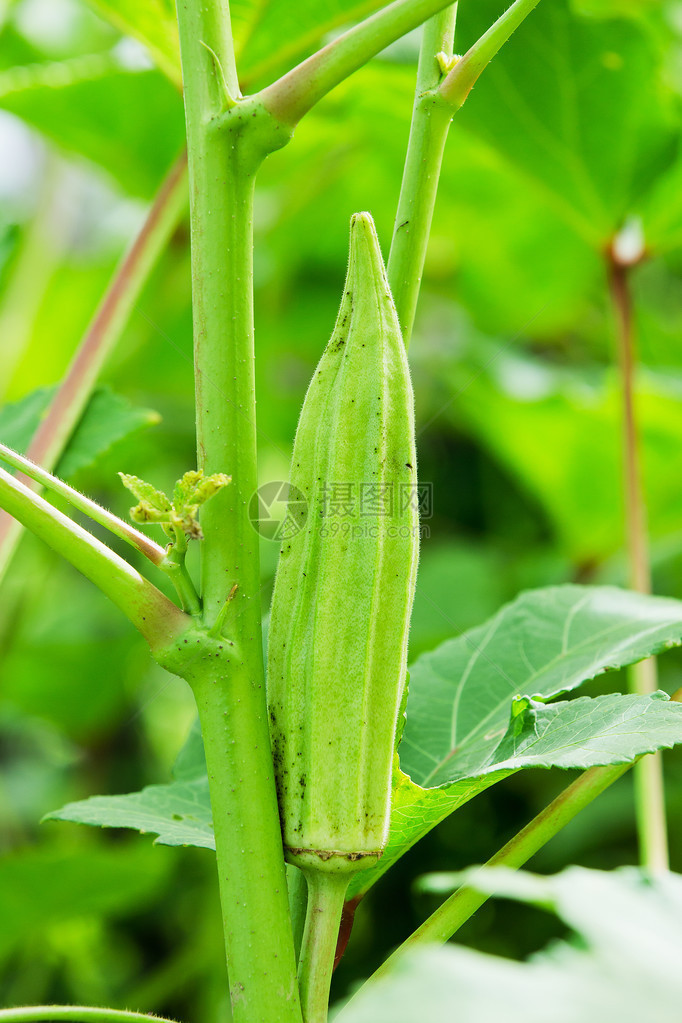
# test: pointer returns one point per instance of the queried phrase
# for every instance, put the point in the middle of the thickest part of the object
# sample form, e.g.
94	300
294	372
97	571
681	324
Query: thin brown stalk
642	677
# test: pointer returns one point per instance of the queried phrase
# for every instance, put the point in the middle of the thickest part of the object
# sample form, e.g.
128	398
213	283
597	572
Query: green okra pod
345	582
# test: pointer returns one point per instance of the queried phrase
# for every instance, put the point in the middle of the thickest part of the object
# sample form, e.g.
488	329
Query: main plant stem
253	890
225	147
642	677
431	117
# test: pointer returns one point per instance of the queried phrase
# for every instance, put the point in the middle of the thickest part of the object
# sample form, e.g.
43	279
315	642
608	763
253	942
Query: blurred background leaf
621	954
153	23
108	418
580	105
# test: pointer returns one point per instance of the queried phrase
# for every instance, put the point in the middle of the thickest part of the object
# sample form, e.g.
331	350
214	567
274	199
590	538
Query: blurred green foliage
575	128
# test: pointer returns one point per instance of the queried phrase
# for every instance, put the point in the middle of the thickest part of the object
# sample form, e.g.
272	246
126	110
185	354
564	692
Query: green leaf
153	23
458	740
661	210
271	35
178	813
194	489
20	419
128	121
191	491
191	762
623	966
579	105
544	643
572	734
280	34
154	506
586	732
579	734
107	419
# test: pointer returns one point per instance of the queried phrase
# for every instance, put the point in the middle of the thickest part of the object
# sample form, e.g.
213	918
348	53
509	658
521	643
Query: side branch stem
96	512
461	79
156	617
429	129
294	94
